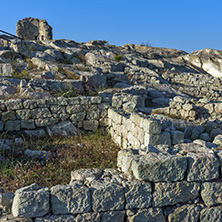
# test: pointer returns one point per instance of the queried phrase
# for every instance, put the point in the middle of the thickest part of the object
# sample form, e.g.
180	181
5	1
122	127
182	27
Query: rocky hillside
51	87
34	69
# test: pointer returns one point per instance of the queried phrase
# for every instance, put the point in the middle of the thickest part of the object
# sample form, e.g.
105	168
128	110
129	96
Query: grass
69	74
66	155
118	58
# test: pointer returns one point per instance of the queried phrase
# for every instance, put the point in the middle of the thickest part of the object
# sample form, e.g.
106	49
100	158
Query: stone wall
138	131
192	109
86	113
167	188
172	181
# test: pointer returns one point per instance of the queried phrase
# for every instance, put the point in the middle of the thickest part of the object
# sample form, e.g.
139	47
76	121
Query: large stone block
92	115
23	114
185	213
96	100
86	174
137	194
76	117
6	201
218	107
57	109
114	116
136	119
211	193
151	215
124	160
46	122
8	115
139	134
107	196
30	104
14	104
159	168
163	138
211	214
202	167
74	109
40	113
91	125
177	137
71	199
64	129
172	193
111	216
33	203
12	125
28	124
151	126
6	69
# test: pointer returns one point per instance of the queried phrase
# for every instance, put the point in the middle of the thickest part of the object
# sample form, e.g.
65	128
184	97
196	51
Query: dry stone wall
138	131
167	189
192	109
159	177
86	113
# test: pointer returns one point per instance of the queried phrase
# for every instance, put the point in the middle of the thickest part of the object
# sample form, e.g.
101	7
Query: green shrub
118	58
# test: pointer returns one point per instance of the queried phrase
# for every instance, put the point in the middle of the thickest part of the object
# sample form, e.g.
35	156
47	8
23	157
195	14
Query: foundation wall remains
159	178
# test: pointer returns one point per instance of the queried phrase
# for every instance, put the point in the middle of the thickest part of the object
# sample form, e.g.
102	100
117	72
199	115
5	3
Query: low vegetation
118	58
66	155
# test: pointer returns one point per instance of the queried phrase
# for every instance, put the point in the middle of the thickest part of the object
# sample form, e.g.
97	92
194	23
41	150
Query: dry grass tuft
67	154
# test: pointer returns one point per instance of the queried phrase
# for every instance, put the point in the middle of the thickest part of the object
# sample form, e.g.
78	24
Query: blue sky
186	25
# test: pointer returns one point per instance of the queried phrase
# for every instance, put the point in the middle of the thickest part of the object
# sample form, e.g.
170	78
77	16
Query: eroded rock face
209	60
34	29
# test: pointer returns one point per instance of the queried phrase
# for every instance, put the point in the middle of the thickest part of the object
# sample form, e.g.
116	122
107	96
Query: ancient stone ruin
163	108
33	29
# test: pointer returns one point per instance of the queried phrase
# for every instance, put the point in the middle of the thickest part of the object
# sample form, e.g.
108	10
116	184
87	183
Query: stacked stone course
134	130
87	113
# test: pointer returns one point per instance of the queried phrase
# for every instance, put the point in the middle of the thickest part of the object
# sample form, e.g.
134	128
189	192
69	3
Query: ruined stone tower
33	29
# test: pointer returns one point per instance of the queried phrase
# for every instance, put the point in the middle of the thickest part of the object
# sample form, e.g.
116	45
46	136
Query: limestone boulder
64	129
97	80
159	168
86	174
125	158
185	213
209	60
70	199
34	203
151	215
107	196
137	194
202	167
171	193
6	201
212	214
211	193
6	69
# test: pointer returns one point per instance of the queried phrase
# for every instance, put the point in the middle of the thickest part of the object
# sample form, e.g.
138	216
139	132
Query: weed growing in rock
21	75
118	58
69	74
105	42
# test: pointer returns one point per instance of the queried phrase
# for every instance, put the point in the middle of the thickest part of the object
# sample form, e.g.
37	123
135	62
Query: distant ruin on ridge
33	29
